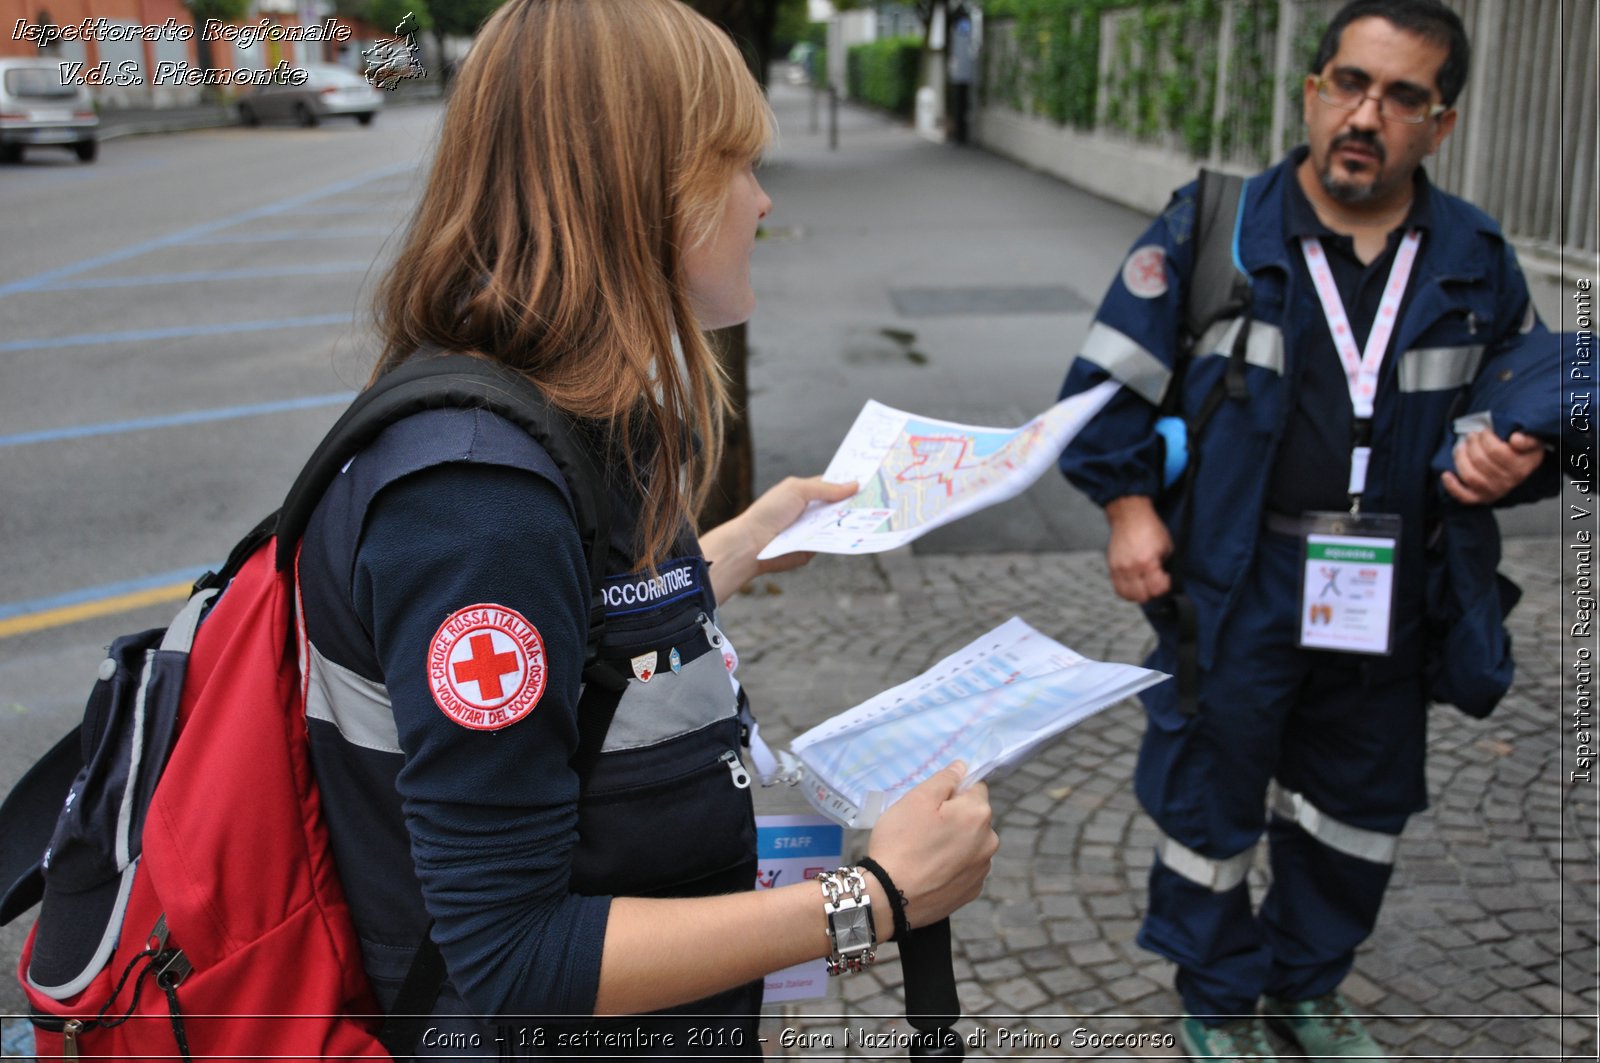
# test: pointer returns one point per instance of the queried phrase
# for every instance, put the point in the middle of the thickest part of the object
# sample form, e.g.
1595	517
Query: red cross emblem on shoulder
1145	272
486	667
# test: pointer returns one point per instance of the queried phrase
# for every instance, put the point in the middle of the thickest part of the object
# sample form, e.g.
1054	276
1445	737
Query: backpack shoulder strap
452	381
443	382
1218	287
447	381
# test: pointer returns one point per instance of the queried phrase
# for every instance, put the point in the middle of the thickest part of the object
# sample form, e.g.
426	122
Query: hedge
885	73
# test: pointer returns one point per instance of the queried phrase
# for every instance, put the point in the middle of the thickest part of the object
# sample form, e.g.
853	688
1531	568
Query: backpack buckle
171	968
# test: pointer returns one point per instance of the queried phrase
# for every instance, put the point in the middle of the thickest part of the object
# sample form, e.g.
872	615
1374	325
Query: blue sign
780	843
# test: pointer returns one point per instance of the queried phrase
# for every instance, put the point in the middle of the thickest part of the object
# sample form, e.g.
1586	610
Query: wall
1517	138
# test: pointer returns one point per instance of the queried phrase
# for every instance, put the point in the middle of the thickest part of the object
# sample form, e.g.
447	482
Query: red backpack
190	901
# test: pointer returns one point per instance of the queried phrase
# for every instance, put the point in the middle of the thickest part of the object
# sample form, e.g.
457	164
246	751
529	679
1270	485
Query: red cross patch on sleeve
1145	272
486	667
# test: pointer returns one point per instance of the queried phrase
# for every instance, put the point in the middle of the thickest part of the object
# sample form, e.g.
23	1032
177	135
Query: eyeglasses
1349	95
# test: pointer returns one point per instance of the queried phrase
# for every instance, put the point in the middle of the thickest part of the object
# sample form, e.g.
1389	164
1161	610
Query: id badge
1347	593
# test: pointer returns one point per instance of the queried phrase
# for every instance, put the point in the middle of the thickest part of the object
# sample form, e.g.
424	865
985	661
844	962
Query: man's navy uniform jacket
1468	339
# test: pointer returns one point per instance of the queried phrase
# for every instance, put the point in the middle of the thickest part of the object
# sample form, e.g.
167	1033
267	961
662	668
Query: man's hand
1487	467
1140	543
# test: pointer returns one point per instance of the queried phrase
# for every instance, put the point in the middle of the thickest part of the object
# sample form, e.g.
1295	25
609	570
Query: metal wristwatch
849	911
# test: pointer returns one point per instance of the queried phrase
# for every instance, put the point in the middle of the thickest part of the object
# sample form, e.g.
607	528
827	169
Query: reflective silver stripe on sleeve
1218	876
1128	363
1341	837
1263	349
1439	368
358	707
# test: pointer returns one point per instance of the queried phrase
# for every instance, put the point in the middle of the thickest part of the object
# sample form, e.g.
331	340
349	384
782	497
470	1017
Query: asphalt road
220	274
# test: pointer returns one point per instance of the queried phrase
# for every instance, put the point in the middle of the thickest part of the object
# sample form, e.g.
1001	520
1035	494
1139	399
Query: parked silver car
328	91
40	108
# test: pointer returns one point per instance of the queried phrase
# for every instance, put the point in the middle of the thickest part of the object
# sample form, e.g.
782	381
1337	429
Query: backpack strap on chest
1218	289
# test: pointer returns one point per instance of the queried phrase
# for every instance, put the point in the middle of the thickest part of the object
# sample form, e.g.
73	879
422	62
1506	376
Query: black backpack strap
413	1005
451	381
1218	289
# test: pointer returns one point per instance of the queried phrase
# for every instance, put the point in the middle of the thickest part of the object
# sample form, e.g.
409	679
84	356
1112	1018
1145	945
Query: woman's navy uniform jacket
446	595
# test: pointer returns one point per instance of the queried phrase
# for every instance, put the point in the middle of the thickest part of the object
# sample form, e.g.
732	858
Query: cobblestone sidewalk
1486	946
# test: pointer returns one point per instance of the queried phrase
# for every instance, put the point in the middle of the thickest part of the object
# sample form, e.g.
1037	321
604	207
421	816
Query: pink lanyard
1361	367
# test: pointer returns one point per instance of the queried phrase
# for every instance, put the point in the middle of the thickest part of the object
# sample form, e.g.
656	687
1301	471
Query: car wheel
248	116
365	117
87	150
304	115
10	153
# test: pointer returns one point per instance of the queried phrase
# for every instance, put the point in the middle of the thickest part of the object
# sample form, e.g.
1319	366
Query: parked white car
38	108
328	91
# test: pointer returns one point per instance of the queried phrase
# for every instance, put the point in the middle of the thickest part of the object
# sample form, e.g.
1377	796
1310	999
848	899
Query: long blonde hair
587	144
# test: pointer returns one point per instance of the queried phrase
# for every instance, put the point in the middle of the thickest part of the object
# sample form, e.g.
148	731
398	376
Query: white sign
796	849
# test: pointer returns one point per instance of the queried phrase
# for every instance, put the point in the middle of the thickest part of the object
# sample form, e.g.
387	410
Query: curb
174	124
220	118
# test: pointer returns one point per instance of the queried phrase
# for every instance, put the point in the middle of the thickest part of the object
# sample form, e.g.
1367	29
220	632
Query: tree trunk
734	486
750	24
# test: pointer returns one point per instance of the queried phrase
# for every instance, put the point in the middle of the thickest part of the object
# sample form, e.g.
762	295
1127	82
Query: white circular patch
1145	272
486	667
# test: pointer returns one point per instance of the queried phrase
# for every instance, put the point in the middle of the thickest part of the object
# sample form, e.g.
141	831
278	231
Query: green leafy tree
389	15
221	10
385	15
791	25
459	18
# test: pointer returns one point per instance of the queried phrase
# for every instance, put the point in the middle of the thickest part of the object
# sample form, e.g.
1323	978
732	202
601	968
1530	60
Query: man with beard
1325	448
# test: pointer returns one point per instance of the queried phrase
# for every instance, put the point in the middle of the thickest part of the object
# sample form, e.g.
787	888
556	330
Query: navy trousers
1345	731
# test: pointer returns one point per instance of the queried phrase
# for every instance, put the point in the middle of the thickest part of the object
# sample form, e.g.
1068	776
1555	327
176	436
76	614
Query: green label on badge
1371	555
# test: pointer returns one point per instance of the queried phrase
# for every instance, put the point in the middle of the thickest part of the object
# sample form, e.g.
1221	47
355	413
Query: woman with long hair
591	210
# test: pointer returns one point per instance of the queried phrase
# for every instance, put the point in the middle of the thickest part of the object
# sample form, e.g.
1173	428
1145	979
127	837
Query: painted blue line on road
309	270
185	235
228	413
92	594
140	335
338	209
280	235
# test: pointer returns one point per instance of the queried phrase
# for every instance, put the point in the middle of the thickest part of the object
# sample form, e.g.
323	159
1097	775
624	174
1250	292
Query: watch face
852	929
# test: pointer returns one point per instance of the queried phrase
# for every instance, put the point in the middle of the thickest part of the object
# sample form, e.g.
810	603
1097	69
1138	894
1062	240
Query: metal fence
1524	148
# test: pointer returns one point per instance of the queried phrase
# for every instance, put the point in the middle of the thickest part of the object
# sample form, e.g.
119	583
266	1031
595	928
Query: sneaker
1238	1039
1323	1027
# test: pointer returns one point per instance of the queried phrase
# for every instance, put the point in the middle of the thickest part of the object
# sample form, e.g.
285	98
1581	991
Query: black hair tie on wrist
897	900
